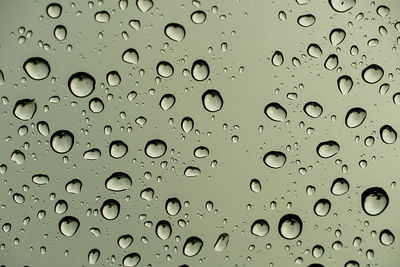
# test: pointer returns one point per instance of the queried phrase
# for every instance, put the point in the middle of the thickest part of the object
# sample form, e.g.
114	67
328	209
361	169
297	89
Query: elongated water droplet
255	185
337	36
187	124
173	206
314	51
118	181
306	20
277	58
313	109
92	154
355	117
275	159
131	259
93	256
388	134
60	32
222	242
275	112
372	74
102	16
175	32
192	246
345	83
328	149
331	62
40	179
200	70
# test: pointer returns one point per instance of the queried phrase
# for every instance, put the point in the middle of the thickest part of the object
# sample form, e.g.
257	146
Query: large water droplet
340	186
61	206
155	148
81	84
163	230
118	181
374	201
130	56
212	100
24	109
74	186
274	159
118	149
322	207
314	51
62	141
306	20
328	149
277	58
342	5
173	206
54	10
200	70
331	62
355	117
93	256
60	32
125	241
165	69
68	225
187	124
275	112
201	152
192	246
372	74
131	259
167	101
260	228
144	5
110	209
175	32
345	83
290	226
313	109
222	242
382	11
386	237
388	134
40	179
198	17
37	68
102	16
337	36
113	78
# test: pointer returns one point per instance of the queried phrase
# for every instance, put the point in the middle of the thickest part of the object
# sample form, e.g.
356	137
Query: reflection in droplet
175	32
260	228
110	209
155	148
322	207
118	181
290	226
37	68
163	230
24	109
62	141
340	186
372	74
274	159
388	134
192	246
275	112
200	70
212	100
355	117
81	84
374	201
328	149
222	242
68	225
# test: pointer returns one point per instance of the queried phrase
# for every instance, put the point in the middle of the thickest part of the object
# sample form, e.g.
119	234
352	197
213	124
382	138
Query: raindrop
352	264
173	206
374	201
255	185
60	207
163	230
337	36
340	186
165	69
187	124
222	242
306	20
110	209
68	225
93	256
43	128
92	154
345	83
144	5
290	226
382	11
62	141
388	134
201	152
118	181
277	58
132	259
260	228
81	84
198	17
54	10
113	78
24	109
60	32
322	207
125	241
275	159
318	251
40	179
331	62
74	186
200	70
192	171
355	117
275	112
155	148
313	109
130	56
102	16
386	237
314	51
175	32
167	101
328	149
118	149
372	74
37	68
192	246
18	157
212	100
342	5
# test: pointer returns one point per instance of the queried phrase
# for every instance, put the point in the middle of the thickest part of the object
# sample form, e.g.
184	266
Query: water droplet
340	186
198	17
275	159
18	157
125	241
331	62
43	128
187	124
328	149
132	259
201	152
313	109
102	16
372	74
260	228
337	36
167	101
275	112
163	230
54	10
222	242
314	51
200	70
37	68
68	225
290	226
60	207
40	179
374	201
155	148
345	83
192	171
173	206
352	264
74	186
212	100
165	69
110	209
118	149
255	185
144	5
130	56
60	32
92	154
81	84
93	256
24	109
62	141
388	134
355	117
18	198
192	246
318	251
306	20
277	58
118	181
96	105
386	237
322	207
113	78
382	11
342	5
175	32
